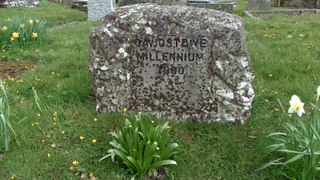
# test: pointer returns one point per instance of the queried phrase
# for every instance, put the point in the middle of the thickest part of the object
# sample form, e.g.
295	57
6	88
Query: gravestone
176	62
19	3
258	4
97	9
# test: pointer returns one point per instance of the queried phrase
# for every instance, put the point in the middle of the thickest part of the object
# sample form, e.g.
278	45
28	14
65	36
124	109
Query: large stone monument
177	62
97	9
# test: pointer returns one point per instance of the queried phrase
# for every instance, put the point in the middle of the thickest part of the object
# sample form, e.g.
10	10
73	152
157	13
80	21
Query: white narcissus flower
318	93
296	105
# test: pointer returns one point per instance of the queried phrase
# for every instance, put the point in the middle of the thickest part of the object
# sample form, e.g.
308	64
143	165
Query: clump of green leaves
143	147
21	31
5	124
299	144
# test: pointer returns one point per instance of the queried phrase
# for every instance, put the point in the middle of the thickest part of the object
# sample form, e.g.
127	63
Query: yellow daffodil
82	137
125	110
75	162
95	120
34	35
37	21
296	105
94	141
15	35
49	155
22	25
30	21
11	39
318	93
4	28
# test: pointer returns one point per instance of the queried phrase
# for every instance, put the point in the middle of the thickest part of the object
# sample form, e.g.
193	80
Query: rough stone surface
177	62
97	9
19	3
258	4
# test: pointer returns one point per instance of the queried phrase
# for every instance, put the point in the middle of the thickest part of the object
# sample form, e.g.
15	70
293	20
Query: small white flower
296	105
318	93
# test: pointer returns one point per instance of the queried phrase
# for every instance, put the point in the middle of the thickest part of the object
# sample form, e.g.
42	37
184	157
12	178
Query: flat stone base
252	14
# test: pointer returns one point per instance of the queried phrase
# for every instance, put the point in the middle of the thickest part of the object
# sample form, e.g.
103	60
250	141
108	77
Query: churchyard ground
66	138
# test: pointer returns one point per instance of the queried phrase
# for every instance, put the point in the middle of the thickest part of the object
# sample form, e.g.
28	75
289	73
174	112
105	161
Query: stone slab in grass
258	14
176	62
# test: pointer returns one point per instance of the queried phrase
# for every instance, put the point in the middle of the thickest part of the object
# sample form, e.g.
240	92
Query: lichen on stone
176	62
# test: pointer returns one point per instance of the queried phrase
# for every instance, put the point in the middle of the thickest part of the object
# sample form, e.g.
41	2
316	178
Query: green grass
52	12
285	54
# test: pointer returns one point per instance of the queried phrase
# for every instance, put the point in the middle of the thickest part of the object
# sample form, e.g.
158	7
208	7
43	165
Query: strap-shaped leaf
274	162
298	156
162	163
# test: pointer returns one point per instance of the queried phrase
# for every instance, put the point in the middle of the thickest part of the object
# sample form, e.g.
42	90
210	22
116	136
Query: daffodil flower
4	28
34	35
30	21
296	105
318	93
22	25
75	162
15	35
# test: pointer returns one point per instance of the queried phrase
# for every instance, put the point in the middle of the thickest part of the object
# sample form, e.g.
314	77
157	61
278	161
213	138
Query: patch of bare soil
13	69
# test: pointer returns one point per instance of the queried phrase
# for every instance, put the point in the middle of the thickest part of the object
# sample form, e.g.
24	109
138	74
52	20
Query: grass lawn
285	54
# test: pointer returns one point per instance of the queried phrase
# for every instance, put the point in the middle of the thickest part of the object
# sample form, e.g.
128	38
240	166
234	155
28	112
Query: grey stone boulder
177	62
